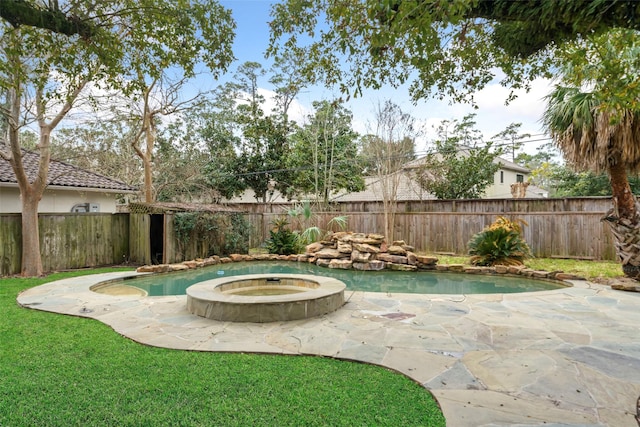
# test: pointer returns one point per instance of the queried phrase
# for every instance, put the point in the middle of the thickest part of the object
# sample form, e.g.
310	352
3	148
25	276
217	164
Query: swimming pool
426	282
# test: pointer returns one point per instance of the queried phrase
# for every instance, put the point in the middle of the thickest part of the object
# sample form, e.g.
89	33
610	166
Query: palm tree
594	137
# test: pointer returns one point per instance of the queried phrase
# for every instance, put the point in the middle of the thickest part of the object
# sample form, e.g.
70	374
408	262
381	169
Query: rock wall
359	251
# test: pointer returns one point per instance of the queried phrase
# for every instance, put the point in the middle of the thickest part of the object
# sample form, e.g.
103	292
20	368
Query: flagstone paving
563	357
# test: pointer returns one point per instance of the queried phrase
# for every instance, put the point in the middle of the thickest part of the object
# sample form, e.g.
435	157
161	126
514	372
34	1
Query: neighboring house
248	197
409	189
508	174
70	189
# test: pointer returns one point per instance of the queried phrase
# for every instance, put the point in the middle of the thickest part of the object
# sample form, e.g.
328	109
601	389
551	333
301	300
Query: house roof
62	174
504	163
167	207
407	190
509	165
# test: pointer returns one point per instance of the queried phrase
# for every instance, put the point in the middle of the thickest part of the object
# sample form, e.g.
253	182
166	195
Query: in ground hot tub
265	297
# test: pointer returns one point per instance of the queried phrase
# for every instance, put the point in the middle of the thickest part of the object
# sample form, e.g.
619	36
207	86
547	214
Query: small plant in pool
501	243
282	241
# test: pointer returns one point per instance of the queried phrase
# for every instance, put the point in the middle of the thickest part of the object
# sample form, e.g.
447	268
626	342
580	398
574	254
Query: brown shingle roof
62	174
170	207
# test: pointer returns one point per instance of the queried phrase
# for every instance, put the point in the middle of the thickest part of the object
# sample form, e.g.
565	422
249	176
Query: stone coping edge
457	268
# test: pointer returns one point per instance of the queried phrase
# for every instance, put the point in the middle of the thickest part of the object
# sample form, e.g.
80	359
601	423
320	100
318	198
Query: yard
62	370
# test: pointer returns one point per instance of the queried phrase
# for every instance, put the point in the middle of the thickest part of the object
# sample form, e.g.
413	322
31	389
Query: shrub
306	223
282	241
211	233
499	244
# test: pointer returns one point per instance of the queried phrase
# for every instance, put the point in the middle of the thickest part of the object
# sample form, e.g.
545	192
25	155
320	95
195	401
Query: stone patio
562	357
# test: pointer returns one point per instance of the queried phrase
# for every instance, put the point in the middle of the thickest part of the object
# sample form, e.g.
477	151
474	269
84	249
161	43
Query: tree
512	135
50	71
543	165
264	145
545	153
47	16
458	168
254	145
561	180
288	81
599	133
443	48
181	158
24	80
451	49
221	135
386	150
569	183
324	154
102	146
159	98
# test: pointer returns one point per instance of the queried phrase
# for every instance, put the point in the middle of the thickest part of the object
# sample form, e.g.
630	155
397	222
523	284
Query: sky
492	115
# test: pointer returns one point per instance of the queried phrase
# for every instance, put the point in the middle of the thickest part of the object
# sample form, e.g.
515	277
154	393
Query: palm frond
590	137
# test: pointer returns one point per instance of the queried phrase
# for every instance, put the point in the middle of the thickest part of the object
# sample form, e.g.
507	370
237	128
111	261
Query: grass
62	370
591	270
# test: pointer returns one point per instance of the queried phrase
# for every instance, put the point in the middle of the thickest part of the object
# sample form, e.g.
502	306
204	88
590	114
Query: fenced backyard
564	228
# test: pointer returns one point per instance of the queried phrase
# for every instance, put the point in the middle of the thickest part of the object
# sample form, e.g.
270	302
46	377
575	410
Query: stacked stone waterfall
359	251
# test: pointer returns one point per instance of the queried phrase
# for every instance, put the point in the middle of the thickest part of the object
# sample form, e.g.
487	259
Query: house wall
57	200
501	189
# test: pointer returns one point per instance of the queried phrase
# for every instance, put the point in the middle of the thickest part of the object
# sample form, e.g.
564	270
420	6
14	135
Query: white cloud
528	107
297	111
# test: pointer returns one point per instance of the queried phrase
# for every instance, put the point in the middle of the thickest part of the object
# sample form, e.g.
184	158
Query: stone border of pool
304	258
565	357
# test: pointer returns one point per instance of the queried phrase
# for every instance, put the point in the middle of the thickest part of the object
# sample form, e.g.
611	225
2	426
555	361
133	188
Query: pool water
426	282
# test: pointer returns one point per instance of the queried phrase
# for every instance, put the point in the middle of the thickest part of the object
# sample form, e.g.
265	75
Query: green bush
212	233
282	241
237	238
305	223
499	244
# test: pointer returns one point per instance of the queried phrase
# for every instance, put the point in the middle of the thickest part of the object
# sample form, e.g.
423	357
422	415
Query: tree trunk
148	158
31	259
148	179
624	220
30	192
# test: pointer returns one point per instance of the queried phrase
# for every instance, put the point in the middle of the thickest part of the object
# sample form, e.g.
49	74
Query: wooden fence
558	234
67	241
153	234
570	229
567	204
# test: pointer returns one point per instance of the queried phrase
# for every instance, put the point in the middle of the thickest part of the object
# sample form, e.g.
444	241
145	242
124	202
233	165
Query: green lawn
60	370
588	269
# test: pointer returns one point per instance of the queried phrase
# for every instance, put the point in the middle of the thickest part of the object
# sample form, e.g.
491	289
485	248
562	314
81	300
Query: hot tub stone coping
206	290
205	301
